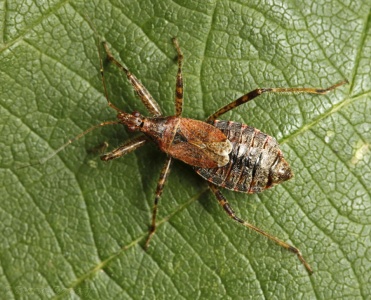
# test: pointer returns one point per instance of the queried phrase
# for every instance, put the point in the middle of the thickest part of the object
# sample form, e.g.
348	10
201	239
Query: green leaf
74	226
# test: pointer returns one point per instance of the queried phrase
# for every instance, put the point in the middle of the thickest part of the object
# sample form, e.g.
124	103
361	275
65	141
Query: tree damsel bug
225	153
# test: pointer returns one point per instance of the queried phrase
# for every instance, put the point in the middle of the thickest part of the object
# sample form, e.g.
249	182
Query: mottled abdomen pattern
253	162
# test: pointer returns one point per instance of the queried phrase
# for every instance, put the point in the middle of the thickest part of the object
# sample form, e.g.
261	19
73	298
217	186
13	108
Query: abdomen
251	162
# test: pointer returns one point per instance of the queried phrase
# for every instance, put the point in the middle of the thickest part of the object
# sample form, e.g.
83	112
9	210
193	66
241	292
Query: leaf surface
74	226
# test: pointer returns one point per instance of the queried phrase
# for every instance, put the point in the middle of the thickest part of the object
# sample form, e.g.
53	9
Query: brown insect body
229	154
255	162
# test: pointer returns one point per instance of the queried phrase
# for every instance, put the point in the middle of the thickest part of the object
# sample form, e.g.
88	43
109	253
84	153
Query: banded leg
224	203
126	148
179	81
139	88
160	187
255	93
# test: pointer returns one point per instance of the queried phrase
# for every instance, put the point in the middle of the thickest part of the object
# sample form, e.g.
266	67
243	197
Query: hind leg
228	209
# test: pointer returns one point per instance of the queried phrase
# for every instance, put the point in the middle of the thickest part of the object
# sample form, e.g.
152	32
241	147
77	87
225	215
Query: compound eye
136	113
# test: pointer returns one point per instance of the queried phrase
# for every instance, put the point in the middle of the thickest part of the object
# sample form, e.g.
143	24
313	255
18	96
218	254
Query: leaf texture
75	226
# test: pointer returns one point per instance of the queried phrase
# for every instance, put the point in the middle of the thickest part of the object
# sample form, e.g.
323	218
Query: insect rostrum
225	153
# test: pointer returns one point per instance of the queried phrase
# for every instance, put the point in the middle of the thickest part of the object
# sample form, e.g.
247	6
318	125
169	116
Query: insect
226	154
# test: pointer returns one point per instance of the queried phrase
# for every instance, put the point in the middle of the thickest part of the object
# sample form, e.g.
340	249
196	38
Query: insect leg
224	203
255	93
160	186
179	81
139	88
126	148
